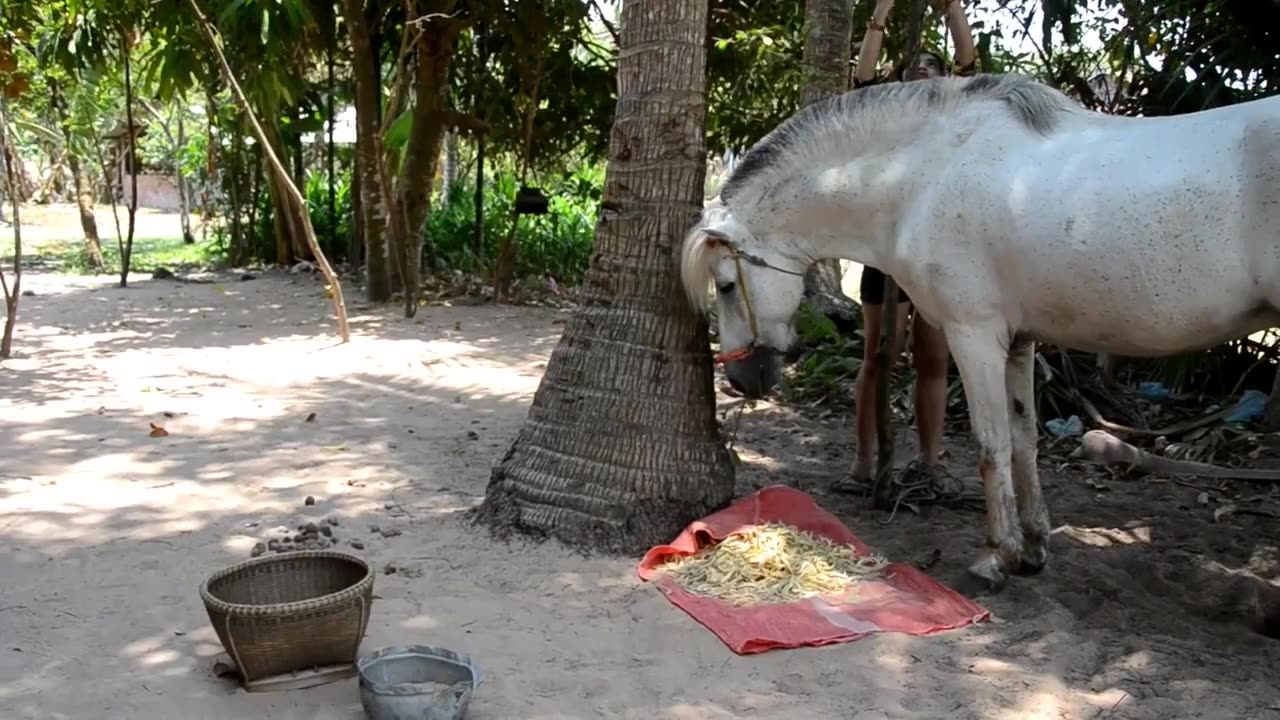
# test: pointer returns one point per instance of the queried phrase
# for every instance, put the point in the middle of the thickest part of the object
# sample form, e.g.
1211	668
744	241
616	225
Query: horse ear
714	238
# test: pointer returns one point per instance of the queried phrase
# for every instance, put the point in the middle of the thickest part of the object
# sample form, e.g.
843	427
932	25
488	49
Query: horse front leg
981	356
1033	513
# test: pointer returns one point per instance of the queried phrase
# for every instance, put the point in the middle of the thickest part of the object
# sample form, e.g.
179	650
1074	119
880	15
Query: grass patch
148	254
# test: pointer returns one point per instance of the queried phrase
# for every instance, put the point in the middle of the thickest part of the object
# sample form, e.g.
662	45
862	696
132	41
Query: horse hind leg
981	357
1033	513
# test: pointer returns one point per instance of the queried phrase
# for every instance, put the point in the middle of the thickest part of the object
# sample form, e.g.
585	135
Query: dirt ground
1149	608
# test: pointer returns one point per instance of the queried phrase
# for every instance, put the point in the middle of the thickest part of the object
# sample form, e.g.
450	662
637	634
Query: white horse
1011	215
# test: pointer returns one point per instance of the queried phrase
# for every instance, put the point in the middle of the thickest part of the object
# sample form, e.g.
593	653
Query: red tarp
905	600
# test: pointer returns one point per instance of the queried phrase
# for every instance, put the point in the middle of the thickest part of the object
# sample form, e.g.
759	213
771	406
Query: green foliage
577	89
557	244
340	225
829	362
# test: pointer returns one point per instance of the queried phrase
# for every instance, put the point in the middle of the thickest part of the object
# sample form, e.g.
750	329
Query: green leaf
40	131
398	134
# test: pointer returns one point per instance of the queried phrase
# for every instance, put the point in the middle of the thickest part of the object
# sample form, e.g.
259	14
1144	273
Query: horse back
1143	236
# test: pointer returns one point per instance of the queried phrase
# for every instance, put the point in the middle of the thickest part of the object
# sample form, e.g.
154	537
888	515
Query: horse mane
849	118
695	257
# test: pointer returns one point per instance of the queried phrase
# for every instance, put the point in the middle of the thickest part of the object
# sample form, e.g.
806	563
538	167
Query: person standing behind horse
928	344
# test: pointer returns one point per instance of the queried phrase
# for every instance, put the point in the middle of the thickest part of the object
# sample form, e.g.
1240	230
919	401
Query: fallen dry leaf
157	431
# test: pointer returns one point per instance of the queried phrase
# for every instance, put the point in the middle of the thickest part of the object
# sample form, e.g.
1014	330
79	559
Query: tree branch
458	120
339	305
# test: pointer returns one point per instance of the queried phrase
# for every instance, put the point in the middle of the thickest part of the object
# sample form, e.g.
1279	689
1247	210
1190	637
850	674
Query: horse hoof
1032	561
1035	551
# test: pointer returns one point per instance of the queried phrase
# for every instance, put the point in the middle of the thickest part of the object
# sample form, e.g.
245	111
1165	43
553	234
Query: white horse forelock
695	257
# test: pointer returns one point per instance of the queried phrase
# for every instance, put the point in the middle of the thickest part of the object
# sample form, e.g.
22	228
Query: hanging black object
530	201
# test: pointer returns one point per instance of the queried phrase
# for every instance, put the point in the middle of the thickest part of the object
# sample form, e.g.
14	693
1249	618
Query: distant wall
157	192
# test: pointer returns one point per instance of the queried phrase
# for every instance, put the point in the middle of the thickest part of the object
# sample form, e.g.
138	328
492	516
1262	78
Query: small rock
311	528
252	524
390	569
247	276
326	530
257	550
311	417
162	273
473	435
389	505
288	539
299	538
332	521
357	544
309	501
28	293
273	546
391	533
375	529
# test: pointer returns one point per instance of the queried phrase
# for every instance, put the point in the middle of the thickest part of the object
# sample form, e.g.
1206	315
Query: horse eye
726	288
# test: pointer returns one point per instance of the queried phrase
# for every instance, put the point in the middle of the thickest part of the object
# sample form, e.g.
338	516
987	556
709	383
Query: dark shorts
872	288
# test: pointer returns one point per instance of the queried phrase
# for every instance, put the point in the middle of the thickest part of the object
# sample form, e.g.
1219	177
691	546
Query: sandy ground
1149	608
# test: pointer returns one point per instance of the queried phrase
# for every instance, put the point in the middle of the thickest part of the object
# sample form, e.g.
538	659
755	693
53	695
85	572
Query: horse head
757	290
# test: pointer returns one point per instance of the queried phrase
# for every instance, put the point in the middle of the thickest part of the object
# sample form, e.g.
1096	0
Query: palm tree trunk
621	448
828	34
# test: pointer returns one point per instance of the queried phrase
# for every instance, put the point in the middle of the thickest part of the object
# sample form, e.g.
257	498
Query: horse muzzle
754	374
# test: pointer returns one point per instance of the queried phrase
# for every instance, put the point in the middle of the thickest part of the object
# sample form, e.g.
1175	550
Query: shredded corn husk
772	563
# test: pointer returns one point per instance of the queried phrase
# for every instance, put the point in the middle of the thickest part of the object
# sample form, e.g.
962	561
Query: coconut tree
621	447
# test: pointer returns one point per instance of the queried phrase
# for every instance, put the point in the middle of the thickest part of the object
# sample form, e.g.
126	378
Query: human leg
872	292
931	355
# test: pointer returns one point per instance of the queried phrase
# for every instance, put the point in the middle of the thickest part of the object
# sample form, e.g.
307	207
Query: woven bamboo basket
303	610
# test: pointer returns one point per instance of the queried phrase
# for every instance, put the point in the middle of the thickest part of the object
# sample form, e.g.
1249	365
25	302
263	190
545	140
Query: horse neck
845	203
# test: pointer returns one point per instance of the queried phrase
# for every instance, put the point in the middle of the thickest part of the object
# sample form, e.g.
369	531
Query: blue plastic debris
1071	427
1250	407
1153	391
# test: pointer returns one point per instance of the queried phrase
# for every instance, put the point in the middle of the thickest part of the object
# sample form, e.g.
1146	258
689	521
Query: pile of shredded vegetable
772	563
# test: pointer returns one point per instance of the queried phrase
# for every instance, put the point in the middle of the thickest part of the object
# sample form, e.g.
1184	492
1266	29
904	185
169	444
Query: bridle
738	256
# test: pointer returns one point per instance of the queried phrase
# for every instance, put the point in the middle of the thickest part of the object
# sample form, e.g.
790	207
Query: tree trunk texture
291	243
126	251
621	448
373	206
238	254
84	190
411	202
13	292
828	34
88	223
451	165
184	203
